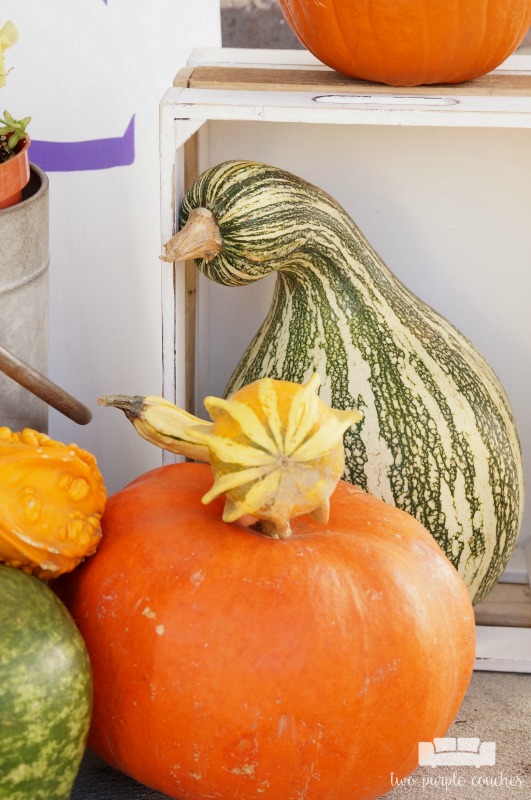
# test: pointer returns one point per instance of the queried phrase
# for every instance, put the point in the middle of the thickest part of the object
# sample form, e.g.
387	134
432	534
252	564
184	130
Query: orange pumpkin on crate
410	42
303	655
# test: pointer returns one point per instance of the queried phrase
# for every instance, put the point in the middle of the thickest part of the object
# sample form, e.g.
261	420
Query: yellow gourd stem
161	423
275	448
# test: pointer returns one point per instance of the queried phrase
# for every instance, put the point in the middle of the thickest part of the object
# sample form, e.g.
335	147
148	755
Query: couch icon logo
462	752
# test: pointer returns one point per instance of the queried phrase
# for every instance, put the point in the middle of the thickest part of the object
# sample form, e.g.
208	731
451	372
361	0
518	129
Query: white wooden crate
438	179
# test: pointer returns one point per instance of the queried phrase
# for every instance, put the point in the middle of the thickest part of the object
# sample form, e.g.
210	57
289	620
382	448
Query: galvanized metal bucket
24	261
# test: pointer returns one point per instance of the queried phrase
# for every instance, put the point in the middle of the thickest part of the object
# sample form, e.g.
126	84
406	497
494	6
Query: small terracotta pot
14	175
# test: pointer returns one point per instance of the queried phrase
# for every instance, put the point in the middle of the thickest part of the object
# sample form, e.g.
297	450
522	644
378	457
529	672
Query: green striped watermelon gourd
438	437
45	691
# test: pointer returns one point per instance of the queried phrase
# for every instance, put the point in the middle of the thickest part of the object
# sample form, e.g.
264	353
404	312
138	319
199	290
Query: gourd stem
132	406
160	422
199	238
272	529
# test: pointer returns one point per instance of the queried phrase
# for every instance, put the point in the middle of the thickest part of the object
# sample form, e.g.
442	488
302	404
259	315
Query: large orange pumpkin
231	664
410	42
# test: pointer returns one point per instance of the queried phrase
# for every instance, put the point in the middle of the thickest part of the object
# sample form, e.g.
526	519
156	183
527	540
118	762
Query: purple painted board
92	154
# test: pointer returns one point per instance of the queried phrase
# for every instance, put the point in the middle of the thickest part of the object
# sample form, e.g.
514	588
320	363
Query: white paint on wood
82	71
527	552
518	570
503	649
446	111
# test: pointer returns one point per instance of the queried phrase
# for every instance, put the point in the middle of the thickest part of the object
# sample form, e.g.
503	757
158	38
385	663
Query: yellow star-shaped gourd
276	451
275	448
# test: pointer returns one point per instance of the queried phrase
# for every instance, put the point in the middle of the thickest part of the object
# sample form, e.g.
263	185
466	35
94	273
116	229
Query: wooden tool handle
42	387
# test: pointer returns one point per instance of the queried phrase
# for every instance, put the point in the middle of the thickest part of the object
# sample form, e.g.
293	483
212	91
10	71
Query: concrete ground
255	23
497	708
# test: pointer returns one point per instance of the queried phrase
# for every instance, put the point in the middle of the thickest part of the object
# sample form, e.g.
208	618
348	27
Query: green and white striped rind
45	691
438	437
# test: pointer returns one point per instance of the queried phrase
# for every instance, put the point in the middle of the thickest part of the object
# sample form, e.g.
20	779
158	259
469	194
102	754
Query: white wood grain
351	109
503	649
263	57
517	570
172	278
527	552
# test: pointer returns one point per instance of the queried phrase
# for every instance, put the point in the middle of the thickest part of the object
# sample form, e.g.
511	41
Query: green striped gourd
45	691
438	437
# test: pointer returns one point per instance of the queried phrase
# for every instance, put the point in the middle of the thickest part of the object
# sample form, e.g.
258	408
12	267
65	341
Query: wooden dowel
42	387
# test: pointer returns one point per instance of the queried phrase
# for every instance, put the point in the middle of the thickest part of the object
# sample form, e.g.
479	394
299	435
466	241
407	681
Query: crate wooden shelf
508	604
396	157
301	78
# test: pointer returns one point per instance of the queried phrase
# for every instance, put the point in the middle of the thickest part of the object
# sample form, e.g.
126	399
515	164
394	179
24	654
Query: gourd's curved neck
299	237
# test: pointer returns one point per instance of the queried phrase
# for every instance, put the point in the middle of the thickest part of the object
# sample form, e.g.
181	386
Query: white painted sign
91	74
